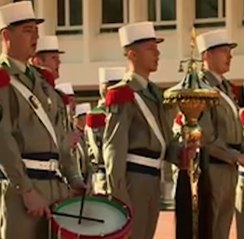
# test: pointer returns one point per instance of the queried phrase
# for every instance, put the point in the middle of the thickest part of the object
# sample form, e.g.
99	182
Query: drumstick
87	176
81	206
78	217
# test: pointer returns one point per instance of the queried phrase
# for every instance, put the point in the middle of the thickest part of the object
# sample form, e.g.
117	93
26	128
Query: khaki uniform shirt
96	156
22	132
221	125
81	154
127	129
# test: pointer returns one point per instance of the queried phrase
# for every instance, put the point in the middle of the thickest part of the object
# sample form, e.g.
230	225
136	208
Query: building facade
87	31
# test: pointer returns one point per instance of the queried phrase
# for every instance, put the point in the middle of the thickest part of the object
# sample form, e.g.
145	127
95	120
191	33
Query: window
162	12
210	11
69	16
114	14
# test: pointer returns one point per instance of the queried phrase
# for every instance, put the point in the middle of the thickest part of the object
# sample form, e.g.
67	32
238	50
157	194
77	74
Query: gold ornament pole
192	96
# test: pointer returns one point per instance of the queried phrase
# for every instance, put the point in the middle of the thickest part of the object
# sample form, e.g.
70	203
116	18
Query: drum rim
123	231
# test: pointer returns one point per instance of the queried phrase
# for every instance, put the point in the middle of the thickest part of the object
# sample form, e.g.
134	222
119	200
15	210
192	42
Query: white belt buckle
53	165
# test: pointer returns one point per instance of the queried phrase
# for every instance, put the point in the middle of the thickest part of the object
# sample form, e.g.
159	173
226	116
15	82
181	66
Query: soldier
34	147
48	55
240	194
239	90
81	151
95	123
47	61
137	134
68	90
223	142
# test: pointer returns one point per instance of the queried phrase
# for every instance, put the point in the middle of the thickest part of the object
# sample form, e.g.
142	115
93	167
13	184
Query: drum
102	217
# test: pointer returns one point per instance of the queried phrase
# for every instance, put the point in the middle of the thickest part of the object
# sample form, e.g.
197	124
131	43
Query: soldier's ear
5	34
131	54
36	61
206	55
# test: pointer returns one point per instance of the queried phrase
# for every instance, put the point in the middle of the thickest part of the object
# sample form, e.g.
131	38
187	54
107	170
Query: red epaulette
95	120
179	119
242	116
4	78
65	98
120	95
47	75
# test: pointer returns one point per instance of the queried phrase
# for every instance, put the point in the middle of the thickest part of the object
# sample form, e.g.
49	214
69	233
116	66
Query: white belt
241	171
145	161
50	165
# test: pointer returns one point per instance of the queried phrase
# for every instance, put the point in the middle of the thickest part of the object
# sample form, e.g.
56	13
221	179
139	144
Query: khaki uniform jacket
221	126
22	132
96	156
126	129
81	154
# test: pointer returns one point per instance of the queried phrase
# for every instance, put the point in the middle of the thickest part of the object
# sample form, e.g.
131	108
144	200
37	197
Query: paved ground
165	228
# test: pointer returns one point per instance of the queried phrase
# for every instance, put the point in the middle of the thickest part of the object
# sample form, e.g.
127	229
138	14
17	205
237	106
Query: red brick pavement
165	228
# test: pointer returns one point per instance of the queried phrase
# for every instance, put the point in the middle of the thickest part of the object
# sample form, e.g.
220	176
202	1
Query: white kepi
111	74
137	32
14	13
213	39
48	44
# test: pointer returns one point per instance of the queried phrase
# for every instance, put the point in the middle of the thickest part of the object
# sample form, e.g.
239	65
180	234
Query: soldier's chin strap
36	106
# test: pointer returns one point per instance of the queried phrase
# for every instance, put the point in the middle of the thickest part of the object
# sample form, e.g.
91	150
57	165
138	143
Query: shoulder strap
151	121
230	102
36	106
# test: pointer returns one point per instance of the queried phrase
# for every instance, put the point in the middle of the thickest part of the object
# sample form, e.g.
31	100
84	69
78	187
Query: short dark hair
41	55
112	82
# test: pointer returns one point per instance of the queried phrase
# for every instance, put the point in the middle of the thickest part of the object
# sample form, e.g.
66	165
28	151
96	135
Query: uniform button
17	187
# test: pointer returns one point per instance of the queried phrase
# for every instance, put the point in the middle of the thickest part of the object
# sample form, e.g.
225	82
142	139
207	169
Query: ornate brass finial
192	60
193	42
191	88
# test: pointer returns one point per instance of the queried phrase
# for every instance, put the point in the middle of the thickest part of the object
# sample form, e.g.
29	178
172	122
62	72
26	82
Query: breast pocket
223	111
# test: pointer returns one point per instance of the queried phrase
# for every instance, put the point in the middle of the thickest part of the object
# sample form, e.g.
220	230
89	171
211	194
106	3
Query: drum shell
123	233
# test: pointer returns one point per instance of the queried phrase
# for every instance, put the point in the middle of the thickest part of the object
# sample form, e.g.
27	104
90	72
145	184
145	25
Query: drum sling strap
229	101
152	123
36	106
